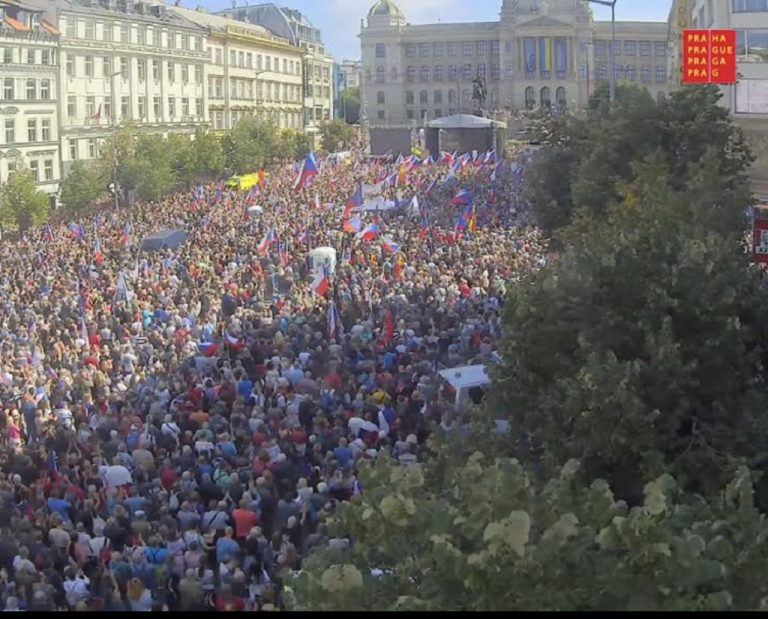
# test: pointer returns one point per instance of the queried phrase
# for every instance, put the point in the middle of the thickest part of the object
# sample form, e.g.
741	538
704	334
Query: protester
179	425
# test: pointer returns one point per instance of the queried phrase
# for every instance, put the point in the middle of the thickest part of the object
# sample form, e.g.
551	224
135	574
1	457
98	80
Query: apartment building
250	72
318	64
28	92
127	60
538	53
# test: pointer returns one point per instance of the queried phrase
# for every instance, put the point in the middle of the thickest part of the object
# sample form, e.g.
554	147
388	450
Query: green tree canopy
336	134
21	203
83	186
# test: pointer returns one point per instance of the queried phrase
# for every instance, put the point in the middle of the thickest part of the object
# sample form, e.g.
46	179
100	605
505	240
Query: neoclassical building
540	52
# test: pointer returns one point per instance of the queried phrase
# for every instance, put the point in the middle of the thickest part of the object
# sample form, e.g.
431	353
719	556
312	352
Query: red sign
709	56
760	240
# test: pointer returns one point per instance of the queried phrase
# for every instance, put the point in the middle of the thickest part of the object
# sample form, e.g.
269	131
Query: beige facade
538	53
250	72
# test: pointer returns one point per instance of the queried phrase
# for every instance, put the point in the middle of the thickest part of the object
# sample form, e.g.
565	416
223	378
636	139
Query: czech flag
208	349
308	172
77	231
352	225
125	237
446	158
48	233
98	257
354	202
369	232
462	198
251	195
490	157
335	328
269	238
389	245
321	283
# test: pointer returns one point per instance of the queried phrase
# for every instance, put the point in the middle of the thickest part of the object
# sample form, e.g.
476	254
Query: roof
463	121
466	376
218	22
385	8
170	18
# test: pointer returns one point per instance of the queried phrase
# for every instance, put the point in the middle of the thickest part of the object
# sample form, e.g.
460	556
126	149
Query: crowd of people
179	425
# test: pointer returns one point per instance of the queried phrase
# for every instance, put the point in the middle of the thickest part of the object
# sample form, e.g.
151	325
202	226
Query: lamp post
612	4
114	140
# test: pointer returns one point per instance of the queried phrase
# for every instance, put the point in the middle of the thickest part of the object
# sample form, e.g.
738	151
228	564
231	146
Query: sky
339	20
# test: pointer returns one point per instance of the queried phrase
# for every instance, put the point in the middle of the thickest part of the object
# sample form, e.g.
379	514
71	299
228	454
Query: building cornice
120	48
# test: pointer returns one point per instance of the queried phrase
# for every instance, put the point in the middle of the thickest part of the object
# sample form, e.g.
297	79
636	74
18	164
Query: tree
336	135
350	105
480	533
84	185
156	178
250	145
21	203
119	158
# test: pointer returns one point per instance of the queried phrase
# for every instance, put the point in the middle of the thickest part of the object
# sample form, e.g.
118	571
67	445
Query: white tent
464	121
323	257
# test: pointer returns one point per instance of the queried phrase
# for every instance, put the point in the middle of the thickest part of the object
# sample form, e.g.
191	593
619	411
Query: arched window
381	74
560	98
380	97
545	99
423	97
530	97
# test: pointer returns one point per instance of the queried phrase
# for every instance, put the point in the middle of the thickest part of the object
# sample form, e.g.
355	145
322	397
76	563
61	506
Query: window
10	131
438	73
185	74
380	115
752	45
45	90
380	97
220	57
424	49
509	72
381	50
90	106
92	148
124	68
70	65
381	75
452	48
619	71
630	48
645	74
545	99
750	6
438	112
467	48
32	130
45	130
30	56
125	109
451	96
171	108
600	47
482	48
108	34
34	168
89	66
71	28
31	89
423	97
410	73
494	48
481	71
645	48
661	74
156	70
424	73
466	72
71	106
249	60
106	66
185	107
410	50
438	96
199	107
438	49
453	73
108	108
601	72
409	97
530	97
184	41
198	74
495	72
73	150
48	170
89	30
7	55
560	97
142	108
141	69
660	48
125	34
631	73
156	111
171	72
409	114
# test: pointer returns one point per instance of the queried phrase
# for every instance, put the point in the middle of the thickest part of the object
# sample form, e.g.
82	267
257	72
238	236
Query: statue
479	92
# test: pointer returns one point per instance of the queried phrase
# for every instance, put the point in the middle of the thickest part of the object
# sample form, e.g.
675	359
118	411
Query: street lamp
612	4
114	141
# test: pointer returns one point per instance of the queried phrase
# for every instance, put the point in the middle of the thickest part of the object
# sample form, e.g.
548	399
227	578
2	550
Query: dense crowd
179	425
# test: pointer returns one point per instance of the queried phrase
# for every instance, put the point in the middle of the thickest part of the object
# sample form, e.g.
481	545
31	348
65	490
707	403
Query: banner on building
760	236
709	56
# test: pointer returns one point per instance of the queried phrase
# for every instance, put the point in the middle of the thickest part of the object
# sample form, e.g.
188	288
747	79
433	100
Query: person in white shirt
116	475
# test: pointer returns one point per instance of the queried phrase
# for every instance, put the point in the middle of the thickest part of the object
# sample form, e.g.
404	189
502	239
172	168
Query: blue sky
339	20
